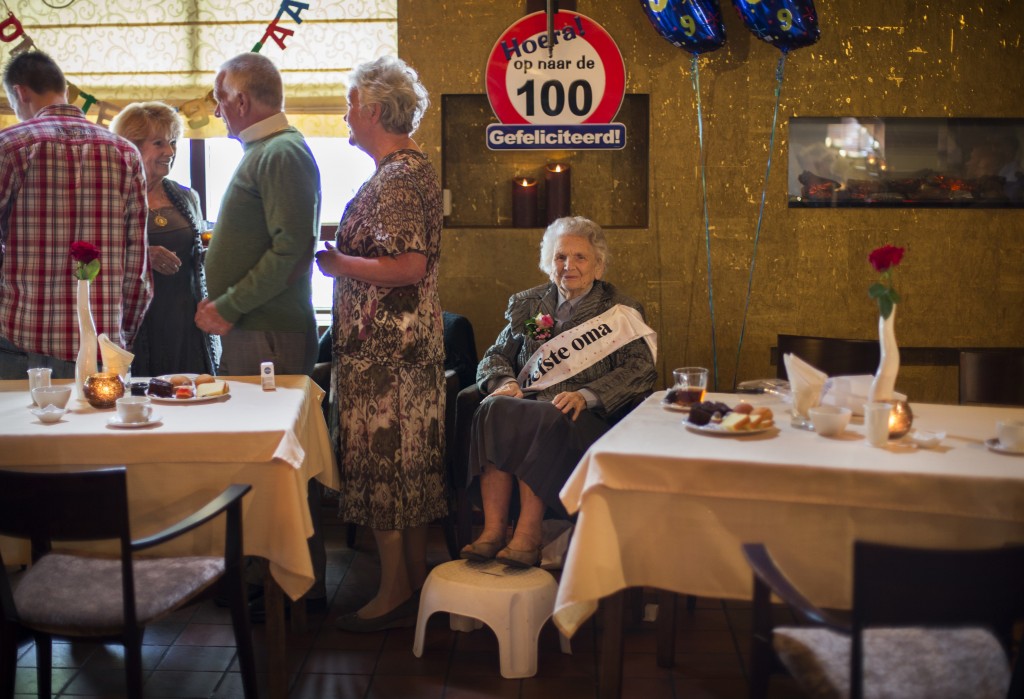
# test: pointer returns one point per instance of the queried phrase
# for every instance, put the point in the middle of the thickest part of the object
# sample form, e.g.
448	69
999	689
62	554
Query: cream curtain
121	51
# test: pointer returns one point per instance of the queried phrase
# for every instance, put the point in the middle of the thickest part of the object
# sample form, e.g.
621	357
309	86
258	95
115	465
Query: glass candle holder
102	390
900	419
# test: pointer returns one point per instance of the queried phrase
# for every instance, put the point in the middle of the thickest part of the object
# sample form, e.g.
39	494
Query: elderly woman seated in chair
574	356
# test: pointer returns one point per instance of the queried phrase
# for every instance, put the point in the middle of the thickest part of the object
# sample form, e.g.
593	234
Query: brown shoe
481	551
519	559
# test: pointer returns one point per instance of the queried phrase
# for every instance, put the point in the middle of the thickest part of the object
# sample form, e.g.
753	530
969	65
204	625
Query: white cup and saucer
1009	437
134	411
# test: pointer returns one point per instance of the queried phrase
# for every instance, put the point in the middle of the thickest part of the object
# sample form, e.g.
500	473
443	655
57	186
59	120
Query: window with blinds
121	51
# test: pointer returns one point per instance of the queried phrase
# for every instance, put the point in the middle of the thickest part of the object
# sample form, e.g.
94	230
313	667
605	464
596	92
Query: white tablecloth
659	505
274	440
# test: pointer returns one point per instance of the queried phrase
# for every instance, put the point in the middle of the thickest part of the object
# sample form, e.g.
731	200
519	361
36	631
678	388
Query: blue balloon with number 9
785	24
694	25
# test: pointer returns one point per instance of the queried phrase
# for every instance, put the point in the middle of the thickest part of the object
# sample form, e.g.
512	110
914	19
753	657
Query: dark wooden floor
192	653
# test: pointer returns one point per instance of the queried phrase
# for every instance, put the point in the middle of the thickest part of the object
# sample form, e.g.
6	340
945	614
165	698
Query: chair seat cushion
82	595
898	662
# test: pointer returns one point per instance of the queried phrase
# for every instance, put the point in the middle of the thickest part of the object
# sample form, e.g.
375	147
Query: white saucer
115	421
995	445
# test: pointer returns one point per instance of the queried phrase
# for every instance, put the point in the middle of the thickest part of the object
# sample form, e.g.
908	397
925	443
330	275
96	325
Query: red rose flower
884	260
885	257
87	260
84	252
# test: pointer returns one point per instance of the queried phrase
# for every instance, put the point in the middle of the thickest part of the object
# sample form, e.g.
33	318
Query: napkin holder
116	360
806	385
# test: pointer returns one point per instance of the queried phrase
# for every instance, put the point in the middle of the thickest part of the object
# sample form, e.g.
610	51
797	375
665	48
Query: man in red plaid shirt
64	179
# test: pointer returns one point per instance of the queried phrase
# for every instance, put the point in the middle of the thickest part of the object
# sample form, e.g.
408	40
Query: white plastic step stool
513	602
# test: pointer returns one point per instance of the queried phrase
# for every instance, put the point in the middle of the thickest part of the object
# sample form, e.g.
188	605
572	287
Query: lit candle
901	417
524	202
102	390
559	190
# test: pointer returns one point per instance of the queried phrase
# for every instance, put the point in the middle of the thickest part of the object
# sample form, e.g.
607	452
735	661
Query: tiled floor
192	653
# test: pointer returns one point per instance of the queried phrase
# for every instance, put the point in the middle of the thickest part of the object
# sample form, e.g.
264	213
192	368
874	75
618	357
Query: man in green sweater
259	264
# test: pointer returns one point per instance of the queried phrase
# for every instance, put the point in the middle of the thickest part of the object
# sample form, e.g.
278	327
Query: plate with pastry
187	388
719	420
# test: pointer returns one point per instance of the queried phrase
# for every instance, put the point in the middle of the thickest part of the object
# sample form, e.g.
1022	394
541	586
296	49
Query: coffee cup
1011	434
134	409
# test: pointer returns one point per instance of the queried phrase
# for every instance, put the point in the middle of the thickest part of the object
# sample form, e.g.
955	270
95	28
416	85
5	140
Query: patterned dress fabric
388	379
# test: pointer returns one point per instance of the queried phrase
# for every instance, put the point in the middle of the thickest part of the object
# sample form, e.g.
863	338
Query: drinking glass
38	377
691	385
207	233
876	423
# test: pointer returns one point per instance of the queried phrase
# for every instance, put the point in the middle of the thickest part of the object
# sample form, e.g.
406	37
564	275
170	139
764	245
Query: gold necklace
159	219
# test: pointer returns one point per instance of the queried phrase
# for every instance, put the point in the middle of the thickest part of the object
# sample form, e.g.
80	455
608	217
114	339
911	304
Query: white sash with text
574	350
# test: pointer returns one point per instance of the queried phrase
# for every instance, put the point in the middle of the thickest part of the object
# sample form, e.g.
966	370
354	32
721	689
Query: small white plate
115	421
995	445
675	408
50	414
717	430
926	440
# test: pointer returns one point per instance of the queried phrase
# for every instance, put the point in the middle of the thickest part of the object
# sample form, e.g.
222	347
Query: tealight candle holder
900	419
102	390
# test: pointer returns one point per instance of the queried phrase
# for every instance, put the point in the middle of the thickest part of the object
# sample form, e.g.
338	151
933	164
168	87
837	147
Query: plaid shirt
62	179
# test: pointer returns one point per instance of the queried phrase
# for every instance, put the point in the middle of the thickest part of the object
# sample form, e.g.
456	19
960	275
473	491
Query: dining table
184	456
663	504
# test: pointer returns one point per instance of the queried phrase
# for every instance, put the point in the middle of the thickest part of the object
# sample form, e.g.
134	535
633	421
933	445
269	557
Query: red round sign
582	80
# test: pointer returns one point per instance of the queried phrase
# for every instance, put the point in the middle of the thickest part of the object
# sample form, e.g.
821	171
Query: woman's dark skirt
532	440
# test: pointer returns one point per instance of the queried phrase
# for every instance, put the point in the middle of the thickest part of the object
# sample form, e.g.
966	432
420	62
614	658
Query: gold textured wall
962	279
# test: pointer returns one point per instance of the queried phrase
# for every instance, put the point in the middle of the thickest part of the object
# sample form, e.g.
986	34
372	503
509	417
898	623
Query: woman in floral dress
388	373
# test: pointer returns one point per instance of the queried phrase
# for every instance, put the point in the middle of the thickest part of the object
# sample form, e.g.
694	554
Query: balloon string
695	78
760	215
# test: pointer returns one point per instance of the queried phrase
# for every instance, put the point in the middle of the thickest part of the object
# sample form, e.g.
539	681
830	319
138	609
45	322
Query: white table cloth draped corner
274	440
661	506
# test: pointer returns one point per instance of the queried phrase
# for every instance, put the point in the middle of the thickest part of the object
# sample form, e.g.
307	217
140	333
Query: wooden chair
834	356
924	623
106	598
992	376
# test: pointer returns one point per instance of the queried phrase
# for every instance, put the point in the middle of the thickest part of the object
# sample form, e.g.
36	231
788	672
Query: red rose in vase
87	260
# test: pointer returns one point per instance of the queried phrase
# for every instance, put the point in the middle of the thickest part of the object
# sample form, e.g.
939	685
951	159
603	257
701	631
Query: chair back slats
992	376
48	506
834	356
900	586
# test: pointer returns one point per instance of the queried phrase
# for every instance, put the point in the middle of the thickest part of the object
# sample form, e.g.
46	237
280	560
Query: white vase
86	364
884	384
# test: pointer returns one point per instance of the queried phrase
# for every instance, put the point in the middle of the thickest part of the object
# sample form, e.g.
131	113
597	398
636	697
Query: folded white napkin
850	392
115	359
806	384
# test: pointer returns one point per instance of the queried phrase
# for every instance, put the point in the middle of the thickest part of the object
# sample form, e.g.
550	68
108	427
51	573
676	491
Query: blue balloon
694	25
785	24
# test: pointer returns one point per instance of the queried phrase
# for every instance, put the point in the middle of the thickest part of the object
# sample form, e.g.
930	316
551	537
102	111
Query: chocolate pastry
161	388
702	413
